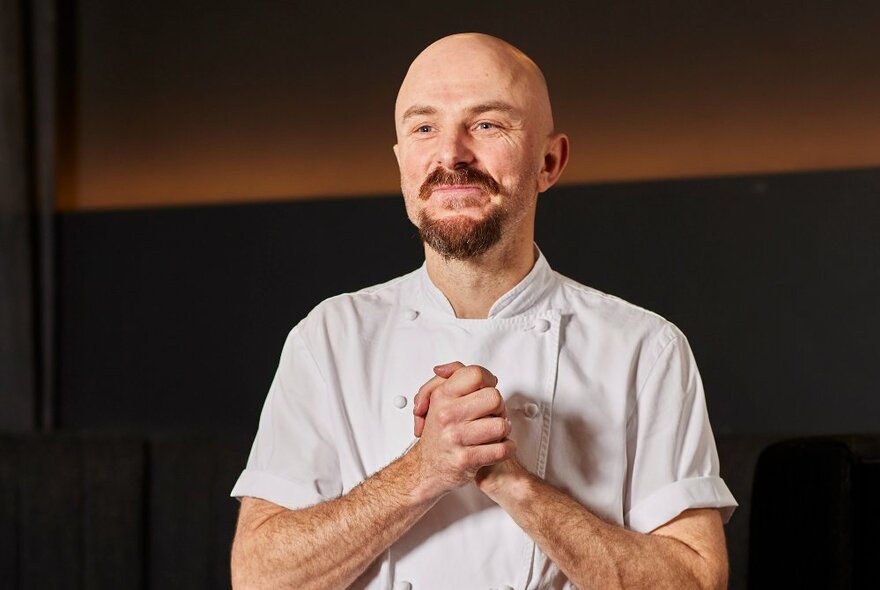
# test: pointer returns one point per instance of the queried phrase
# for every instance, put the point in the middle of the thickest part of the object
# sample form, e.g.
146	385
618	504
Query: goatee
460	237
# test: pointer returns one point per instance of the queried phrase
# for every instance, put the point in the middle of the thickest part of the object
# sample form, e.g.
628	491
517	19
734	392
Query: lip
459	196
456	187
459	189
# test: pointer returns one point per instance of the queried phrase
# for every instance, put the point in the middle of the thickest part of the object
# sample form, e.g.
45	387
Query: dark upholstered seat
815	519
97	511
72	511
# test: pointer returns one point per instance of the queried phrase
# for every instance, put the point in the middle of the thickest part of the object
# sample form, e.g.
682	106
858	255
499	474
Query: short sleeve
672	460
293	462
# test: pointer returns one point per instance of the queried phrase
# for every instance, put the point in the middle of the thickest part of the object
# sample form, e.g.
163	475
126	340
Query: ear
555	159
396	154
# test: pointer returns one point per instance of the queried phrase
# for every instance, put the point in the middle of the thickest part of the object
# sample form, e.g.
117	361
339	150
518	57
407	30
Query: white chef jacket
604	398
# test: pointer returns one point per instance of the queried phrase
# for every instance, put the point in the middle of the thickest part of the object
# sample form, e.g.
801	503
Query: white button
530	410
402	586
506	588
542	325
410	314
399	401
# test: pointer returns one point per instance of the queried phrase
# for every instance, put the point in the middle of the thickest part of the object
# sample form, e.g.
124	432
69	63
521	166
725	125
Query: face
472	132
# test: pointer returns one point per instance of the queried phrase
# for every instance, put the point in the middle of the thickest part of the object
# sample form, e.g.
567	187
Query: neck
473	286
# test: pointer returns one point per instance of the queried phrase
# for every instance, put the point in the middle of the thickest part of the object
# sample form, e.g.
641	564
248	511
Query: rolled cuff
268	486
673	499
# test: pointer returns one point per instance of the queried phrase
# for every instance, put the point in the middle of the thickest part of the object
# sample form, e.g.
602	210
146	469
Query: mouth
458	197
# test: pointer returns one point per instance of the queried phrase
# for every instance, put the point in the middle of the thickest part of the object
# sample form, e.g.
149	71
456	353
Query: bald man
482	422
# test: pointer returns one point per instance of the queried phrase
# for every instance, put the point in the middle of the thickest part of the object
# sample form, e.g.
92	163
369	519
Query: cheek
411	179
410	170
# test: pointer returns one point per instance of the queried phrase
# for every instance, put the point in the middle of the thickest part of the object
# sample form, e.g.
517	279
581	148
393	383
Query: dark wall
174	319
199	101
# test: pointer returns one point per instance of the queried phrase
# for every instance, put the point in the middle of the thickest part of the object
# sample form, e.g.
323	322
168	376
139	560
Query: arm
330	544
687	552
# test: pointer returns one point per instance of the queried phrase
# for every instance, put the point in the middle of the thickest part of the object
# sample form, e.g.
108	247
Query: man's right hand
466	427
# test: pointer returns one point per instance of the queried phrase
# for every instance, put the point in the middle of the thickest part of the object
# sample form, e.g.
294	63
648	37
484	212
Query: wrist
509	484
421	483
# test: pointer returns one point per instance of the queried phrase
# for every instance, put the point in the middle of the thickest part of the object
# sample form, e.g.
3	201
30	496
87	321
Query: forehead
461	76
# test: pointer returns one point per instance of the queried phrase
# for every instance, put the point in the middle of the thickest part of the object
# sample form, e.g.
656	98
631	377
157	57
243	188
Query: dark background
182	180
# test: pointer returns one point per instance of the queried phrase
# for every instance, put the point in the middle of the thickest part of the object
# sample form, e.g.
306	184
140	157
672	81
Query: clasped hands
463	428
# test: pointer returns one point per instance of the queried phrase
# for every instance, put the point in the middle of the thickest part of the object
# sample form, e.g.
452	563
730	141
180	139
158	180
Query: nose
454	150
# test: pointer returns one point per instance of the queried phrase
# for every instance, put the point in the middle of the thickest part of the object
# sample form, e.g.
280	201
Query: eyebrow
418	111
495	105
485	107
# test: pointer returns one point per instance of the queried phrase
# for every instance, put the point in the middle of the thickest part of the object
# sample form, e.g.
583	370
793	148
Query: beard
460	238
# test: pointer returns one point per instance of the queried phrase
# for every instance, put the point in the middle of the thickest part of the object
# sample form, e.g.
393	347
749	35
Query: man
596	468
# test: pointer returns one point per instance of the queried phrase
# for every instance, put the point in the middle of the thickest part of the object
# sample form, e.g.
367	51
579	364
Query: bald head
480	68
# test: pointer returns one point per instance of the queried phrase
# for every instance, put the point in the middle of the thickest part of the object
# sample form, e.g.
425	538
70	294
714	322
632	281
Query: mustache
471	176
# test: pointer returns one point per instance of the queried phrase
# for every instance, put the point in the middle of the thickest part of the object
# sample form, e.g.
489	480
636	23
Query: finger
485	430
422	399
450	414
492	453
481	404
447	369
467	380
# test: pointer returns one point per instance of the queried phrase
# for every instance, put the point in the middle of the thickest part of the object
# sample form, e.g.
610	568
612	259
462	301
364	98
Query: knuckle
497	398
461	460
445	416
499	428
473	374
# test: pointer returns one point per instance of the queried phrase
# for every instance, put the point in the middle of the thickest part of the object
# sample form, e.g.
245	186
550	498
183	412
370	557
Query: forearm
595	554
330	544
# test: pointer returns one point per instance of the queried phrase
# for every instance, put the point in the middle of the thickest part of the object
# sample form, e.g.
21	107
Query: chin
461	237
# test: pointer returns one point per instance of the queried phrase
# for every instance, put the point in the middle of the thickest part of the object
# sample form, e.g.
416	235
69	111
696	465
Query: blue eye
485	125
425	129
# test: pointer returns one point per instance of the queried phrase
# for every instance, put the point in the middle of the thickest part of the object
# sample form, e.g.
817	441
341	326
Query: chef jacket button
402	586
542	325
505	587
399	401
530	410
410	314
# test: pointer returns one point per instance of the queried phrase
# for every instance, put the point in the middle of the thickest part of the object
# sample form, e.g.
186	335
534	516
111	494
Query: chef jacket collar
518	301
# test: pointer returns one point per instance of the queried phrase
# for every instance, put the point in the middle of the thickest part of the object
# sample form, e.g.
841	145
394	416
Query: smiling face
473	130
